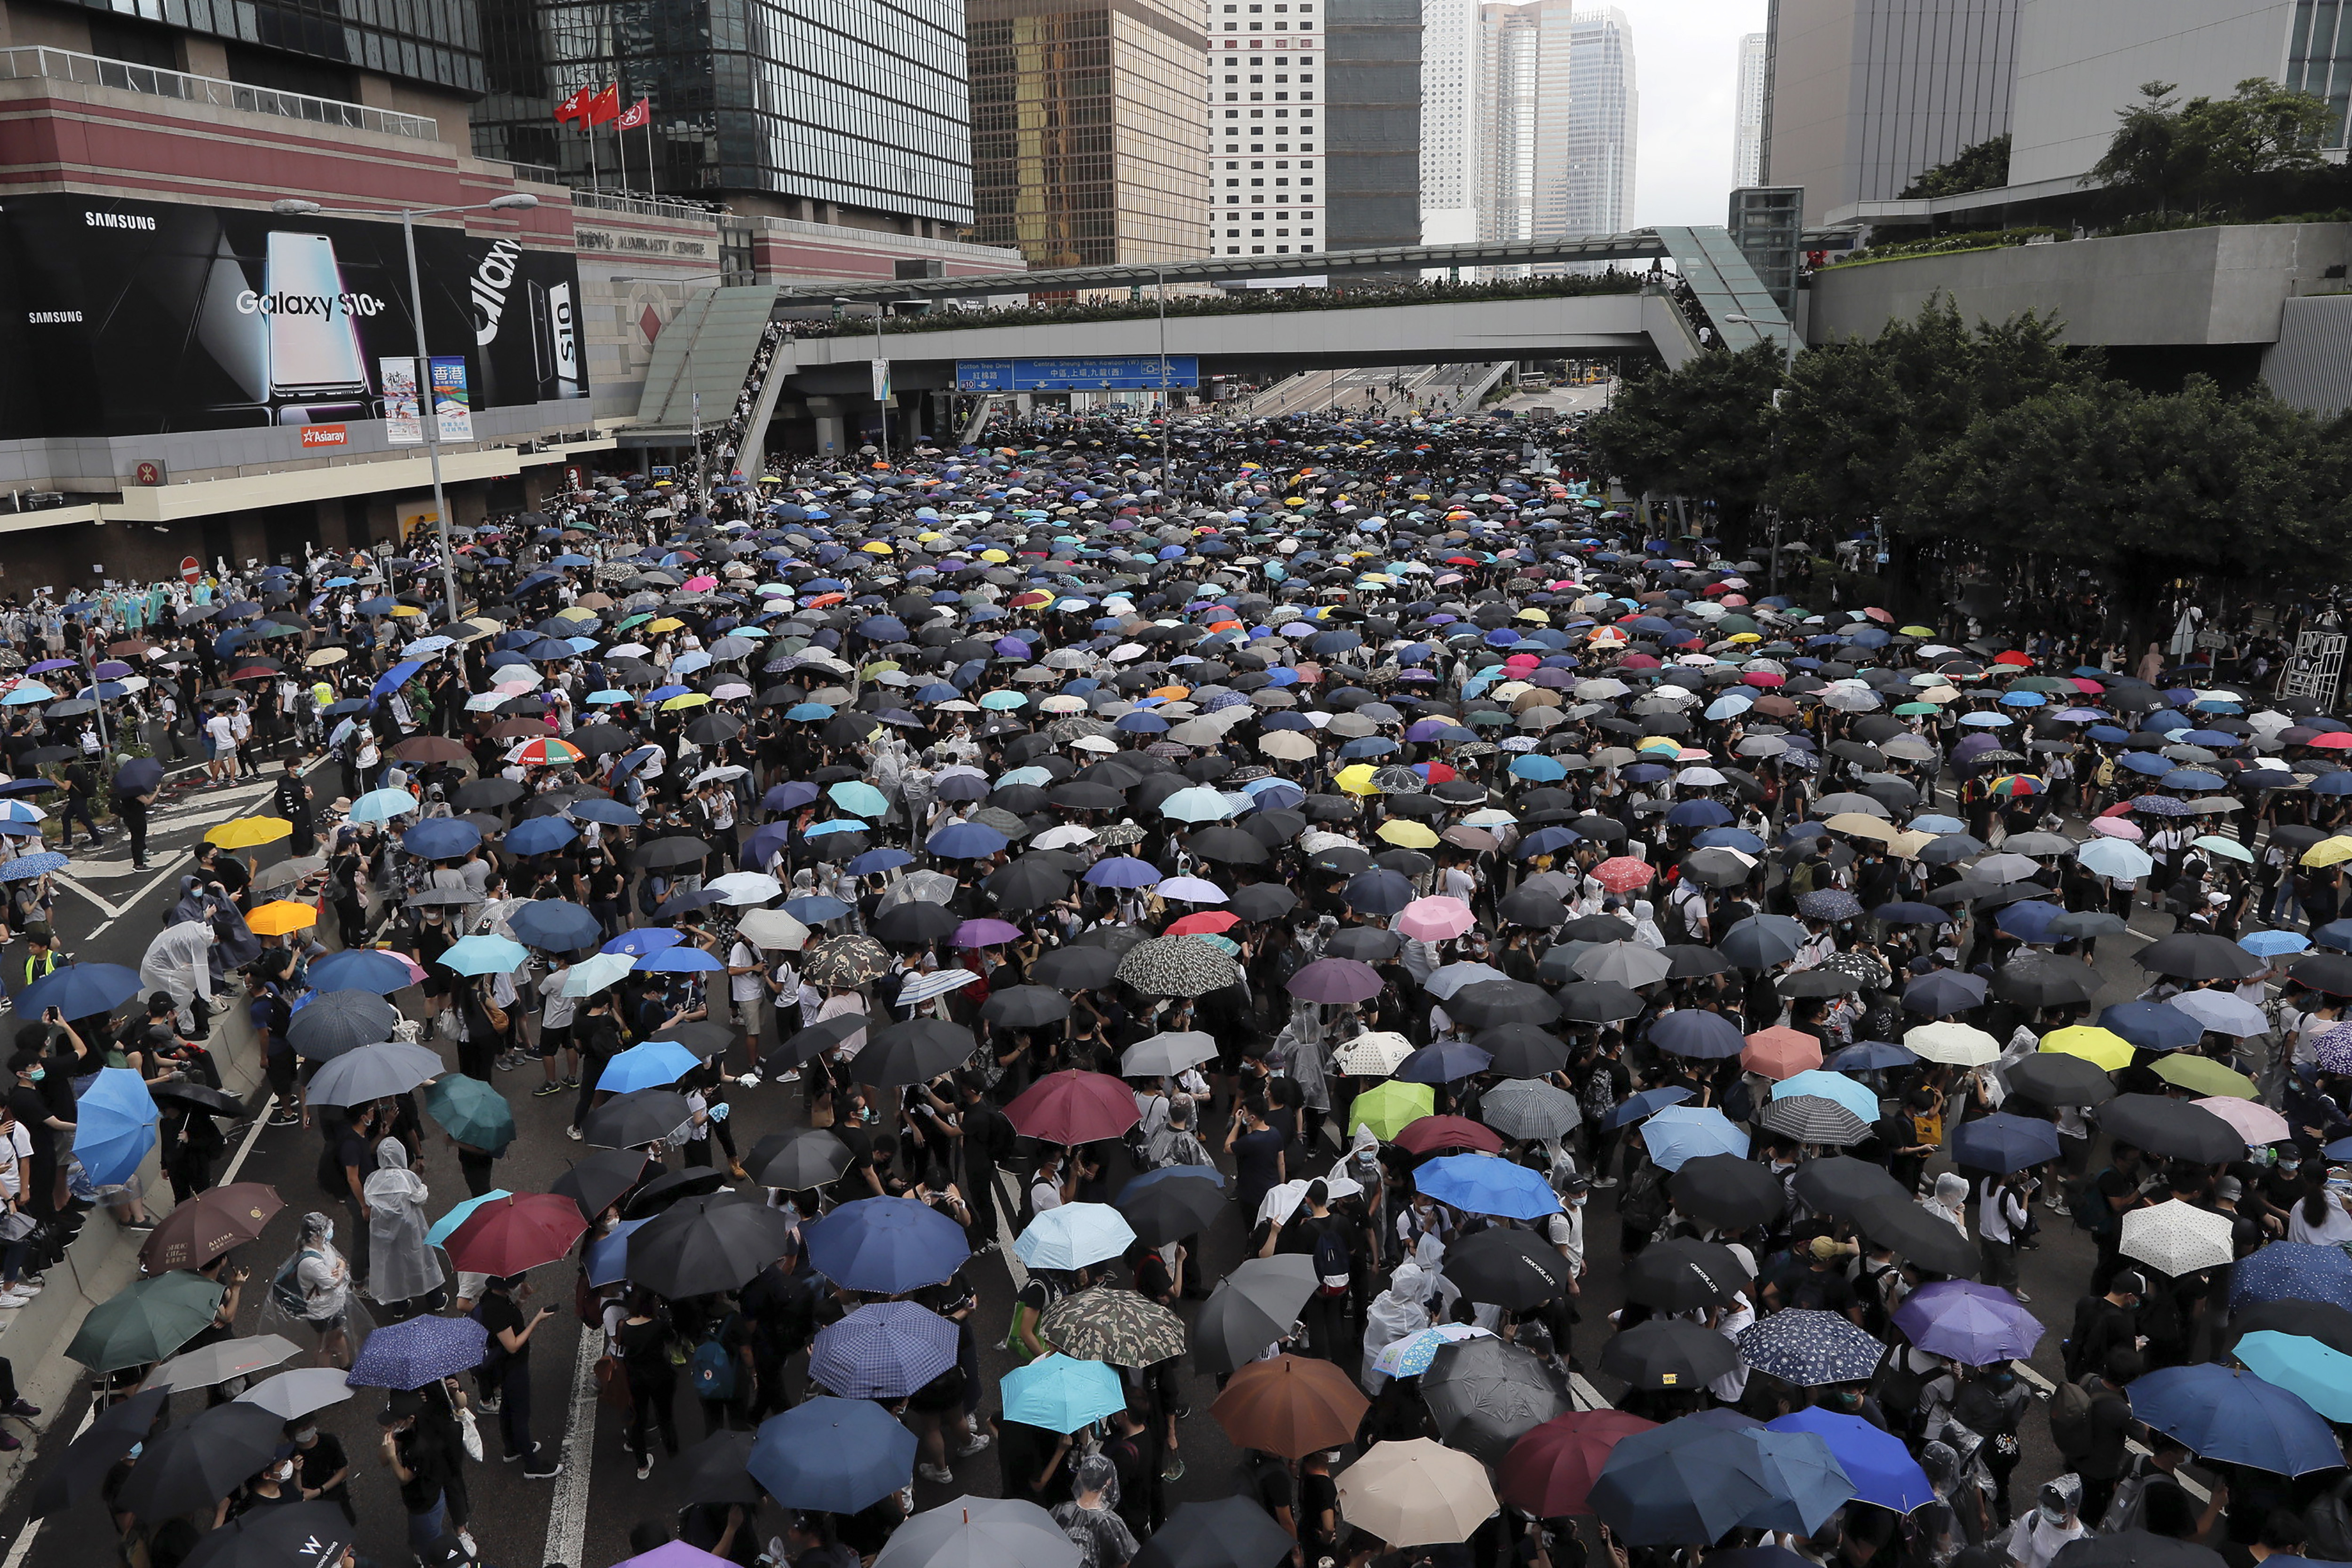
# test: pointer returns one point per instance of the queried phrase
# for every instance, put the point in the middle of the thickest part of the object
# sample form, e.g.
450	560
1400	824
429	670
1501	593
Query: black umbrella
596	1183
799	1158
486	794
1027	884
714	1471
83	1465
1261	901
2194	955
2330	1324
1915	1235
293	1535
916	922
1727	1192
1250	1307
704	1039
1840	1184
138	775
915	1051
707	1244
196	1464
1522	1050
201	1095
1488	1002
2057	1077
2328	971
667	854
1485	1394
1025	1007
2172	1129
693	1181
821	1036
1667	1353
1229	845
1598	1001
1366	945
2135	1548
1514	1269
2040	980
1169	1208
642	1116
1081	966
1532	907
333	1022
1681	1275
1231	1532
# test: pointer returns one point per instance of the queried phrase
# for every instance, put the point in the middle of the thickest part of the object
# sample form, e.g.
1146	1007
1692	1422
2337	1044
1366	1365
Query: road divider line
32	1530
567	1514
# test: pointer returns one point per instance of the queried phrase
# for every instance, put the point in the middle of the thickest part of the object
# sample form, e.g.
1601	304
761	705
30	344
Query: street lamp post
430	415
1789	338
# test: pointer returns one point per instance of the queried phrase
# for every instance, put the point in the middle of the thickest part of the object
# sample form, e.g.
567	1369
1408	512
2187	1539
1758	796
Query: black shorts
553	1040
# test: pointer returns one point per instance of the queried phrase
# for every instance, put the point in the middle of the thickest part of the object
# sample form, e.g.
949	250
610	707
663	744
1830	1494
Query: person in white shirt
2002	1218
2324	1214
220	747
747	988
555	1011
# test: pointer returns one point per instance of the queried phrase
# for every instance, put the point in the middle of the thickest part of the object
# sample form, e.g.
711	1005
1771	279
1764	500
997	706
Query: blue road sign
1134	373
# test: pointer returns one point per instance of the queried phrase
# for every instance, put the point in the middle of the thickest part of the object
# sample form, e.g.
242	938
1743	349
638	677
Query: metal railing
93	70
537	173
643	205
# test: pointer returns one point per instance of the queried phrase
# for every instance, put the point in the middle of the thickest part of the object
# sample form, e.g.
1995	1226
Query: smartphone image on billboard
314	344
555	340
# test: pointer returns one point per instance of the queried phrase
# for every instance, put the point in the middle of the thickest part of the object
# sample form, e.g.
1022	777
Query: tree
1982	167
1702	430
2203	152
2149	150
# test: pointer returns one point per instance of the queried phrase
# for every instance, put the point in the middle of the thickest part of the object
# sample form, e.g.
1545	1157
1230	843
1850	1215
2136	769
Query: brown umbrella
210	1224
1291	1406
433	749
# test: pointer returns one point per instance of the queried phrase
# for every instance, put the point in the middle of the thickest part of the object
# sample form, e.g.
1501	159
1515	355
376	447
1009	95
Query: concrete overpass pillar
832	434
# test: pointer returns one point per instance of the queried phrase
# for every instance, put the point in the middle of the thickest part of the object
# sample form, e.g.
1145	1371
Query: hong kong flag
636	114
605	106
575	106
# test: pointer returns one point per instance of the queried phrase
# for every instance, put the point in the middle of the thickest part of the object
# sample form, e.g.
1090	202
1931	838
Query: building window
1257	250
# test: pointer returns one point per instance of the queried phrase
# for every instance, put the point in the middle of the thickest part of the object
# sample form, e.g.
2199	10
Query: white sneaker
25	1288
790	1075
938	1474
978	1440
10	1299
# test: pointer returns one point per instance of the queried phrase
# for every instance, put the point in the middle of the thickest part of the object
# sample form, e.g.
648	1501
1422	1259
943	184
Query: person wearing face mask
274	1486
318	1290
2039	1536
323	1470
42	1125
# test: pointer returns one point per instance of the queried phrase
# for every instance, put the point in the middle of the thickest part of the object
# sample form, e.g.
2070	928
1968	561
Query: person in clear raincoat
402	1267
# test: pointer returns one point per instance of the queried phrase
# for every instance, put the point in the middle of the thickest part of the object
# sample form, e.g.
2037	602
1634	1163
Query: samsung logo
52	318
118	220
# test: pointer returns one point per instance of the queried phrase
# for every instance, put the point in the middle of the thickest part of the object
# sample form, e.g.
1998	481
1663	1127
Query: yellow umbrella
875	547
246	832
2329	851
1389	1107
281	917
686	699
404	610
574	613
2100	1048
1406	833
666	624
1918	631
1357	779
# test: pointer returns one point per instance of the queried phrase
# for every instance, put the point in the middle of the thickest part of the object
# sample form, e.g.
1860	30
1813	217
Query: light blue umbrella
486	955
114	1126
381	805
858	797
1681	1132
1198	804
1072	1237
1480	1183
593	974
449	1223
649	1065
1061	1394
28	692
2114	858
2319	1374
1829	1085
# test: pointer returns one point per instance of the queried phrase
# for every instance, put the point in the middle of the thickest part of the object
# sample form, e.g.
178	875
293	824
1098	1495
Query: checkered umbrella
1814	1119
1177	966
885	1350
1810	1348
1115	1326
1528	1108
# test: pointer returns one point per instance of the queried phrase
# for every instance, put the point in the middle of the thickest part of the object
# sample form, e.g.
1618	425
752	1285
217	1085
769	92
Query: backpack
710	1369
1331	1262
2090	1207
2070	1419
285	1289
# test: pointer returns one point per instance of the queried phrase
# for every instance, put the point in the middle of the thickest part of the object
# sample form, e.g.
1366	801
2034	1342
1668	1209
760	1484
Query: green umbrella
146	1322
1389	1108
471	1112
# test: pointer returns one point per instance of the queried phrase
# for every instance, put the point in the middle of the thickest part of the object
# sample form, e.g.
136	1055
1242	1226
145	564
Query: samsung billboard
137	318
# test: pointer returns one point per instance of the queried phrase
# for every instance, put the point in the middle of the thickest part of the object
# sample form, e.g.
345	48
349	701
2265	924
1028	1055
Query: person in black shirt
508	1356
76	805
420	1463
42	1125
324	1469
293	803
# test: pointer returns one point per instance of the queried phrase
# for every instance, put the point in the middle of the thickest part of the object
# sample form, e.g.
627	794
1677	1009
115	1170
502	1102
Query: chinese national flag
636	114
605	106
575	106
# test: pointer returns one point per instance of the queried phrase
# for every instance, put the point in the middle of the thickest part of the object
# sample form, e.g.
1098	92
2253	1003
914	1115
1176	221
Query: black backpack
1332	1261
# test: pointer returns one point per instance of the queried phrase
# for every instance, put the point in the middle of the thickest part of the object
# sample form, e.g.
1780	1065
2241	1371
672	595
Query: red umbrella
1623	873
1549	1470
509	1235
1207	922
1428	1133
1072	1107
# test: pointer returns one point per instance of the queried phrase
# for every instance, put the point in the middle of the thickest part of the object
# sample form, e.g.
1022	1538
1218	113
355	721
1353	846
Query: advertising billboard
1130	374
146	316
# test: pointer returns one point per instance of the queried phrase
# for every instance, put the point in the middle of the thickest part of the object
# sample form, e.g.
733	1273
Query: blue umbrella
2152	1026
1682	1132
1444	1061
1479	1183
1809	1348
419	1351
681	959
2004	1142
653	1065
1646	1103
1684	1483
447	1226
441	838
1872	1056
1123	871
2296	1271
2228	1414
612	813
815	909
832	1455
1060	1394
2320	1374
1881	1468
85	990
965	841
359	969
863	799
1807	1481
608	1260
871	862
114	1126
1379	892
887	1247
885	1349
1074	1236
1833	1086
539	836
555	924
643	941
2028	921
485	954
1700	1034
25	868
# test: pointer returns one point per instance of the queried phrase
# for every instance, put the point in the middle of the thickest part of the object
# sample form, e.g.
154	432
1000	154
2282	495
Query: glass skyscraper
826	109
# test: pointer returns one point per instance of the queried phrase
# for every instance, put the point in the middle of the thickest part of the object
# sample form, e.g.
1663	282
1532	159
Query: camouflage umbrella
1177	966
1115	1326
839	962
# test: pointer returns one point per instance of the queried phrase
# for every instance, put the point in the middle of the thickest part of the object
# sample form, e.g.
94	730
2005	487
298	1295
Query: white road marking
2188	1484
32	1530
1004	1212
252	1136
567	1517
74	883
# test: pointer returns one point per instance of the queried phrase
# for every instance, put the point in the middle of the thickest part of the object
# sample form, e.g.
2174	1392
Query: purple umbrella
418	1352
1971	1323
1336	980
1971	744
986	933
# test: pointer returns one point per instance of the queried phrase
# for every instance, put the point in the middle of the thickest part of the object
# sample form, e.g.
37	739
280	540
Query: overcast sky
1686	62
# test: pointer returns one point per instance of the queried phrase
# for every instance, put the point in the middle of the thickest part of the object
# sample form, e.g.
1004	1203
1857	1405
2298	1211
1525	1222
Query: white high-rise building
1266	67
1449	121
1556	118
1747	128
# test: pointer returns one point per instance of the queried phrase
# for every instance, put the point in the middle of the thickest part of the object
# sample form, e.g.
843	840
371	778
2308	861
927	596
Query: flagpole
589	125
621	149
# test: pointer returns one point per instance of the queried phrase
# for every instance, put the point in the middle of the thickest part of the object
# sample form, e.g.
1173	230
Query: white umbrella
299	1392
1415	1493
920	988
740	888
2174	1239
1954	1045
772	929
1376	1053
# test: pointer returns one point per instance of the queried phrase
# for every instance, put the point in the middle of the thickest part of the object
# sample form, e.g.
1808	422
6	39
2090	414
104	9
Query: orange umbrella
281	917
1780	1053
1291	1405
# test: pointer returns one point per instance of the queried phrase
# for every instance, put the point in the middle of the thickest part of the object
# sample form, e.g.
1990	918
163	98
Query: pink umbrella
984	933
2116	827
1434	919
702	585
2260	1124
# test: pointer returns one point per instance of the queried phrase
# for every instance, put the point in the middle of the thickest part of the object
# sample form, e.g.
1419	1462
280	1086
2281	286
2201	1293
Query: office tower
1557	119
1372	133
1449	119
1748	123
1864	95
797	109
1268	72
1088	143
